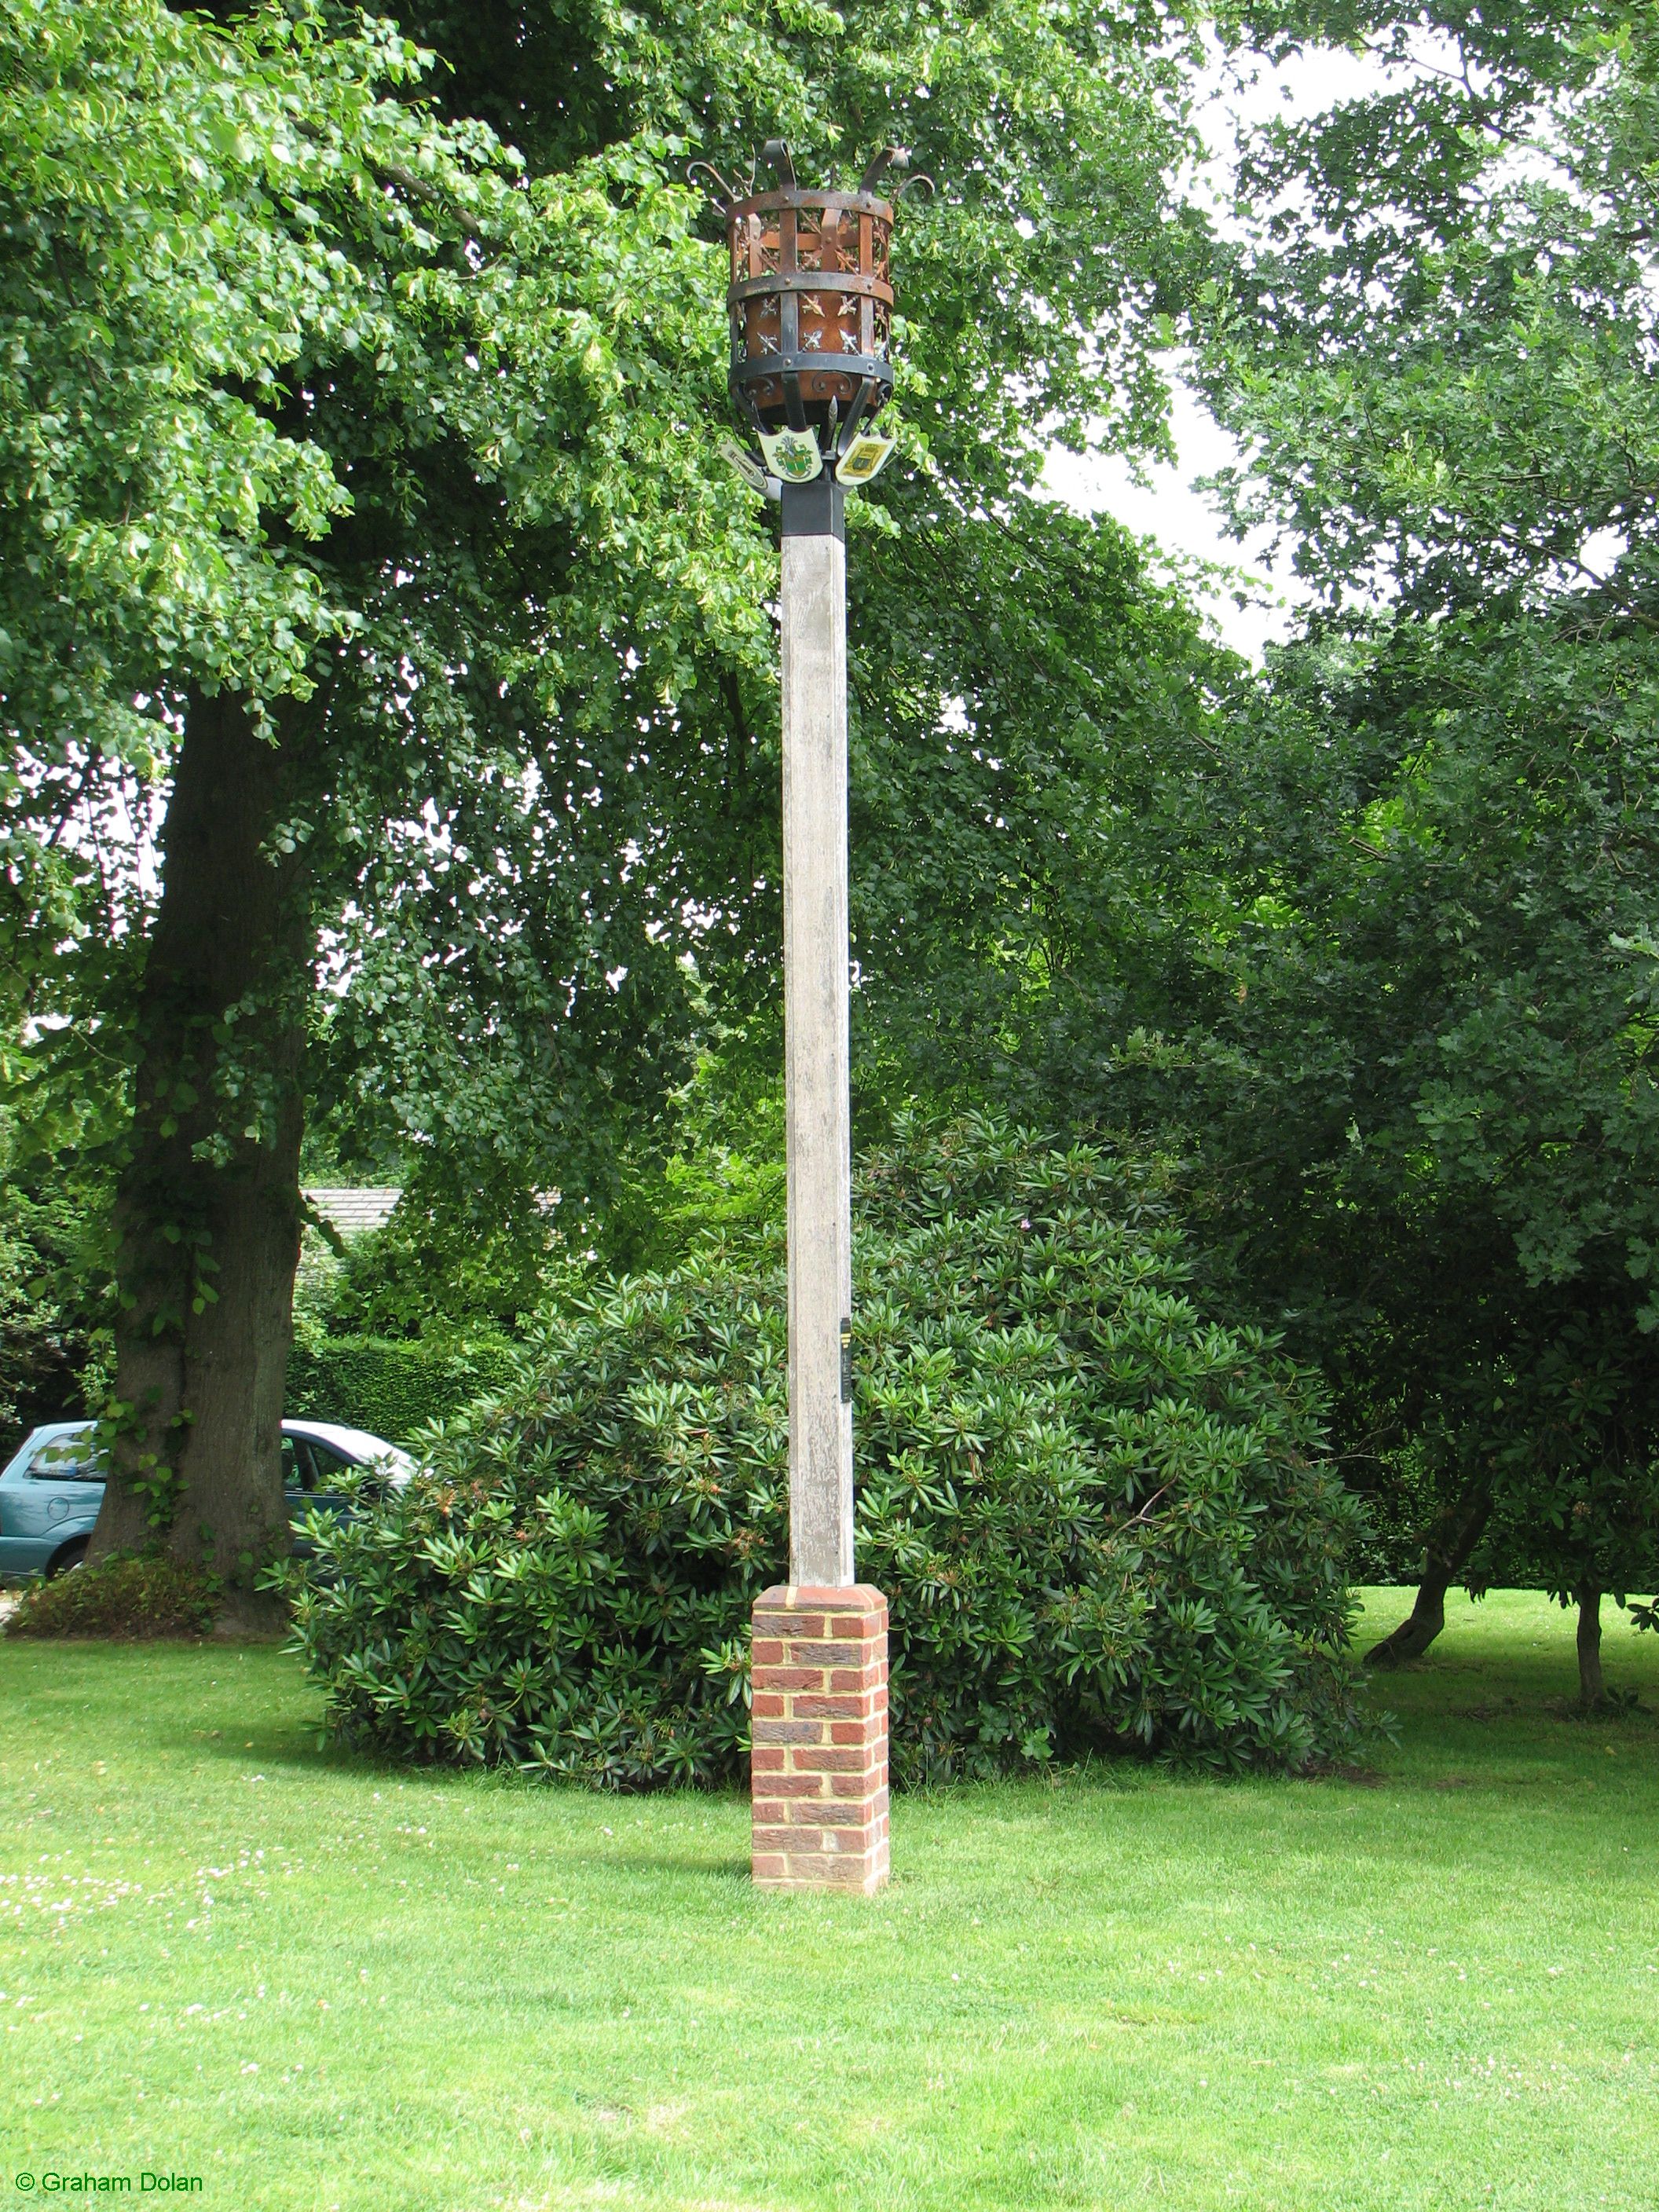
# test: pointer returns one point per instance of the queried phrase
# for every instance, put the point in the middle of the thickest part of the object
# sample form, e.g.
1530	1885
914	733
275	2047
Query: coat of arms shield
793	456
866	457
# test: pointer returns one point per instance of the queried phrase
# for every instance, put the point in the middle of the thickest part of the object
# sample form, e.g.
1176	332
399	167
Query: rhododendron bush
1102	1523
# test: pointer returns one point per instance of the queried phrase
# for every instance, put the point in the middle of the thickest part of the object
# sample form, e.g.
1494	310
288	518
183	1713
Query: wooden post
815	981
819	1654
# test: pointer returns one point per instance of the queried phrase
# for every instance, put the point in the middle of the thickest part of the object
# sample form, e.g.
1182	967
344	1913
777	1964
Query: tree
1414	1067
1436	346
1577	1503
321	358
375	520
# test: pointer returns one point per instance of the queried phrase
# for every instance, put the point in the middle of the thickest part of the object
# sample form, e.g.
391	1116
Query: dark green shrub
1100	1522
389	1386
134	1595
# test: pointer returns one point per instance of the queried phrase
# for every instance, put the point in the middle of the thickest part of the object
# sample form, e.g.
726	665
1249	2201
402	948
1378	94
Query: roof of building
352	1212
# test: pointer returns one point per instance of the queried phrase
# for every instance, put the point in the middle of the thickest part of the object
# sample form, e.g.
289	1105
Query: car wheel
72	1555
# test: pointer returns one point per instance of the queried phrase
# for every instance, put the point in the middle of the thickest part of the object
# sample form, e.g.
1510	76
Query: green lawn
320	1982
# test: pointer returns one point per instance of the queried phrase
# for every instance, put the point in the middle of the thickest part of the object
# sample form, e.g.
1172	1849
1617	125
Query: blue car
50	1491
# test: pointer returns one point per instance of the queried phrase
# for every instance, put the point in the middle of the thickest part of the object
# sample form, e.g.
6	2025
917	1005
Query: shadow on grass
721	1867
278	1749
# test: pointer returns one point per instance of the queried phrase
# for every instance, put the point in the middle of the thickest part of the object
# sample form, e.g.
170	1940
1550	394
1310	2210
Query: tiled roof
352	1212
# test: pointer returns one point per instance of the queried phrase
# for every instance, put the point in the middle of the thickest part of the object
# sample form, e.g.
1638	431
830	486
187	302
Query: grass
318	1983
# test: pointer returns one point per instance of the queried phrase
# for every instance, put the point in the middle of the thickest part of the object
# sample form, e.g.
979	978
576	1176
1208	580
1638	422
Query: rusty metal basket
810	300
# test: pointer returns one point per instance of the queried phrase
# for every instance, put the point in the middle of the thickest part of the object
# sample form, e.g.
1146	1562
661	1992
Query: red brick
796	1732
864	1625
768	1705
772	1814
817	1760
795	1843
853	1787
810	1813
828	1654
768	1654
792	1627
833	1870
845	1706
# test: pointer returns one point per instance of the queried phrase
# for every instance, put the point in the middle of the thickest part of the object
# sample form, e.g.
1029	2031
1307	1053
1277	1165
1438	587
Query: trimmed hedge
1101	1522
391	1386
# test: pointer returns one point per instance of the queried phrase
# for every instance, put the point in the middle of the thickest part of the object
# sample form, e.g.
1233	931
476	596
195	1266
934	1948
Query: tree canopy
1437	347
375	532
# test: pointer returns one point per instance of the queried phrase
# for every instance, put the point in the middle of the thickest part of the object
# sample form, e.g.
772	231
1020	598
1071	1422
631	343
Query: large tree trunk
1450	1542
1591	1691
208	1207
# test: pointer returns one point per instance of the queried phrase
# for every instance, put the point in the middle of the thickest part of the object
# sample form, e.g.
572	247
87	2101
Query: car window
68	1459
298	1473
327	1462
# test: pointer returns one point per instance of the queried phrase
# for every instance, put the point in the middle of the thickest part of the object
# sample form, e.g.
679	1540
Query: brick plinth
819	1787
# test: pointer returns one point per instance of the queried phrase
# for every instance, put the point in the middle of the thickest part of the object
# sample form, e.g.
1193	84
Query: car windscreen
356	1448
68	1459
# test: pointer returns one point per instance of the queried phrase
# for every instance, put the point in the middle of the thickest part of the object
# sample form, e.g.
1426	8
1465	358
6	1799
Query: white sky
1177	518
1180	520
